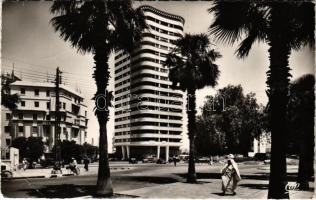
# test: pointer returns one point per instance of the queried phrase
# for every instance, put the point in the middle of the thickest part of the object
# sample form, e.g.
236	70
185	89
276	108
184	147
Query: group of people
73	165
26	164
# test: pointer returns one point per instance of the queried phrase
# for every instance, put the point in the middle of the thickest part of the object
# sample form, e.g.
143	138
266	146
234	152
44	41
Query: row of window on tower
148	91
146	139
164	23
154	116
136	68
147	131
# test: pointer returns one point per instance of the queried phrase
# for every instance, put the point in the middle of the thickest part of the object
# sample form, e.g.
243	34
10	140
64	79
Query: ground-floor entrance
140	152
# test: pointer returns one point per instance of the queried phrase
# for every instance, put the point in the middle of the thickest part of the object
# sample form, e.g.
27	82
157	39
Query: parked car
161	161
149	159
267	162
184	157
132	161
47	162
114	159
6	171
171	159
262	156
203	160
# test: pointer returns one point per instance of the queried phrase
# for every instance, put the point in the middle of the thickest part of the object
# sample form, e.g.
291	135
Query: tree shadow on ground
291	176
76	190
152	179
62	191
218	176
255	176
202	175
68	191
257	186
221	194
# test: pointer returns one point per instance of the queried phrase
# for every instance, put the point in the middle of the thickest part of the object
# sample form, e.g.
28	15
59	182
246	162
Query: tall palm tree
192	67
9	100
301	112
100	27
283	25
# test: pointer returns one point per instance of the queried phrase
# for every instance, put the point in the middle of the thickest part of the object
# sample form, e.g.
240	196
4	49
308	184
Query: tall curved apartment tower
148	113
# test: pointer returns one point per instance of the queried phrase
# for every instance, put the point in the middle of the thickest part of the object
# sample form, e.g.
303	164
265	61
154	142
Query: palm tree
8	100
301	112
192	67
284	26
100	27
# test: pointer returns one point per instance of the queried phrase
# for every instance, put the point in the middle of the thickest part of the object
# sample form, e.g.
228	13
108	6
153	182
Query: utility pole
57	117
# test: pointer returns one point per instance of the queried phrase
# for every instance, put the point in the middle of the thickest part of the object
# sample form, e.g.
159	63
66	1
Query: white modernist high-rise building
148	113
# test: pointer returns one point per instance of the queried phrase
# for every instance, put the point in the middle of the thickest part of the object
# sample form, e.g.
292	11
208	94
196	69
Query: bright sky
29	41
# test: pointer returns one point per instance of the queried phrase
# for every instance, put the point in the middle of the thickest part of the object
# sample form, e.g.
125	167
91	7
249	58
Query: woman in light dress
230	176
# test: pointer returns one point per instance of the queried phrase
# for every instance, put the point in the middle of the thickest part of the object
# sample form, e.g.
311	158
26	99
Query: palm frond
302	23
191	63
235	20
230	20
303	83
129	24
245	46
62	7
213	55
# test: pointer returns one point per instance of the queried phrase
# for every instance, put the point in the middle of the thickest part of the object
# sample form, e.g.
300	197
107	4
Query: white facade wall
38	118
158	127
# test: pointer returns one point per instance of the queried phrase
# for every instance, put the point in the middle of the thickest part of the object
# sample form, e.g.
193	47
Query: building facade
148	113
261	144
35	115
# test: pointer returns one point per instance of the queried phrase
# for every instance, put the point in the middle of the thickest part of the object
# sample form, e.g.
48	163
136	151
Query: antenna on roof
12	73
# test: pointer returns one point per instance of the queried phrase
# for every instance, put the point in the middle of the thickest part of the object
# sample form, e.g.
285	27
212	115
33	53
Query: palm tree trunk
303	177
101	76
191	104
306	160
278	82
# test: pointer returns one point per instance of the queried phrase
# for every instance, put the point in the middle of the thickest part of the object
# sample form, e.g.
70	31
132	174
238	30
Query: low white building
35	115
261	144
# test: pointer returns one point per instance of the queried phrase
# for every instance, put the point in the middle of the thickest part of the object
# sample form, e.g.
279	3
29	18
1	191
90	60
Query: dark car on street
161	161
48	162
262	156
132	161
171	159
203	160
149	159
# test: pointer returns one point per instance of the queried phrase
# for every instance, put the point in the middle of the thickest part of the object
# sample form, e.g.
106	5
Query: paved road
137	177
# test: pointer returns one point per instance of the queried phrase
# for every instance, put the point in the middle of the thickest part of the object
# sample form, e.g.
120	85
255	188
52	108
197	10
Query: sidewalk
206	188
46	172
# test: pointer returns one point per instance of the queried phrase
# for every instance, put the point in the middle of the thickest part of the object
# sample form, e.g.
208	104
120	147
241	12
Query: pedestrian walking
73	166
86	163
230	176
211	160
57	168
175	160
24	164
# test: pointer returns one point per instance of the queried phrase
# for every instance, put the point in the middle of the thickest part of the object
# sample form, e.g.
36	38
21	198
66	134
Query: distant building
148	113
261	144
35	115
